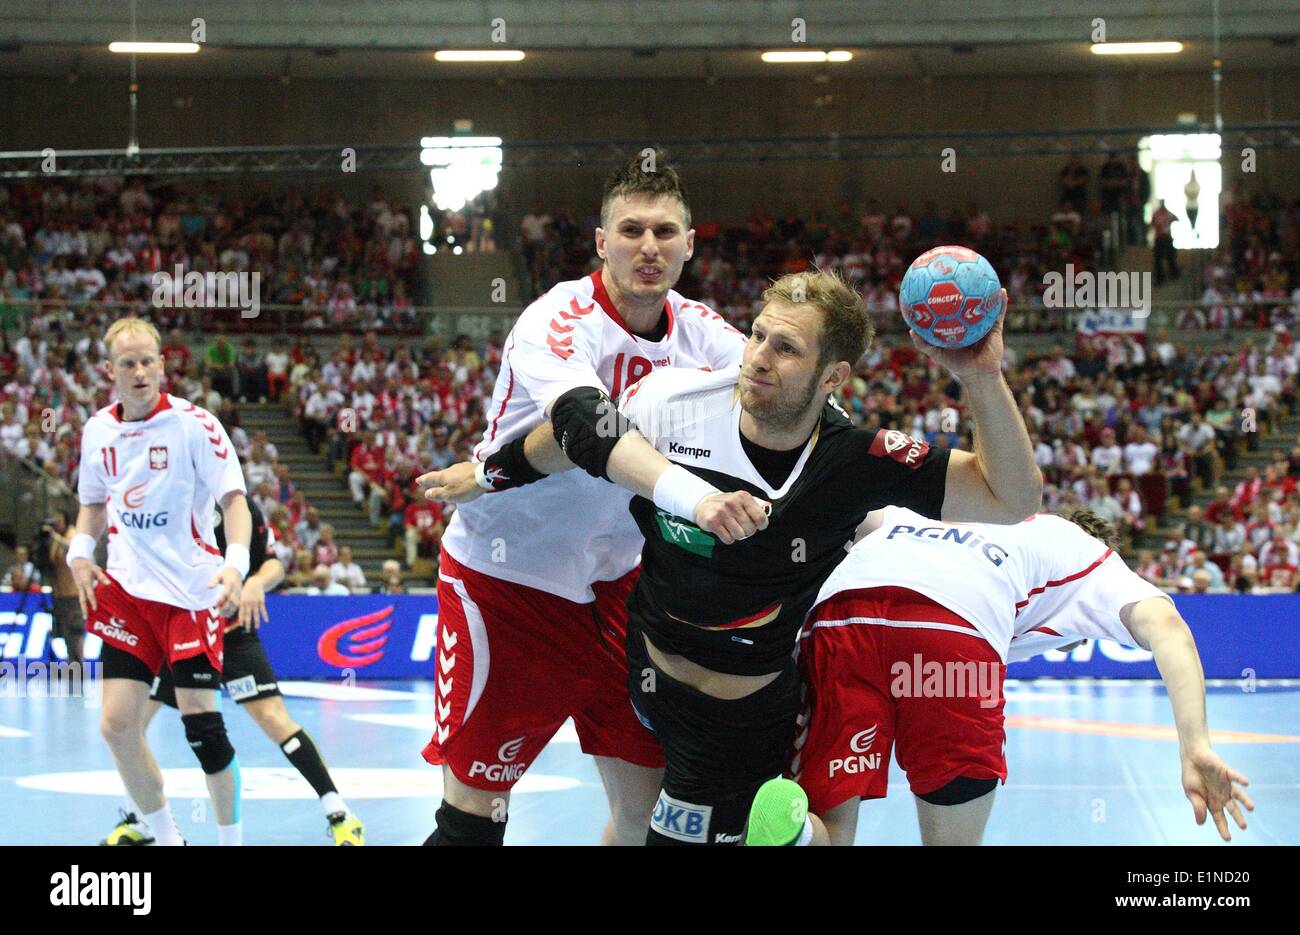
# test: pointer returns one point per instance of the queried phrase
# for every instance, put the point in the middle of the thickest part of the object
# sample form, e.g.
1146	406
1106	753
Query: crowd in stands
1254	278
102	240
1121	429
870	248
1124	431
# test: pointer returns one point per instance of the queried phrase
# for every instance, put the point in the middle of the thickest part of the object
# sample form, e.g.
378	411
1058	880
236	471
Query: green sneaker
776	818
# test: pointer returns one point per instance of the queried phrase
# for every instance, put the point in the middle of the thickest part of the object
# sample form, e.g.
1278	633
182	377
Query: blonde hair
130	326
846	330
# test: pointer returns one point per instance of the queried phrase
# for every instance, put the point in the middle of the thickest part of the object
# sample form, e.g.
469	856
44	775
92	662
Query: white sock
131	807
231	835
806	835
333	802
162	825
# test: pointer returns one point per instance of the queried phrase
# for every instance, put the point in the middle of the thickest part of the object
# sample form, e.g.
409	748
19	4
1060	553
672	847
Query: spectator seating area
871	249
102	240
1138	432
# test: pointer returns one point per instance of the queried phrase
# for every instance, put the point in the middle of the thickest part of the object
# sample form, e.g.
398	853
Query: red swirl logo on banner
357	642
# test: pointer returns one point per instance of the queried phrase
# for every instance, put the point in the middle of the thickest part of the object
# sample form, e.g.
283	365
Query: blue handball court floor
1091	762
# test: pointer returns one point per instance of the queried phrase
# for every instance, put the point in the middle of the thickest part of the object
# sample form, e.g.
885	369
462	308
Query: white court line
13	732
330	691
1154	830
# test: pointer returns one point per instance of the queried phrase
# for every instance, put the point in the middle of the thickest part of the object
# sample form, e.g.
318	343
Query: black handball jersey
738	608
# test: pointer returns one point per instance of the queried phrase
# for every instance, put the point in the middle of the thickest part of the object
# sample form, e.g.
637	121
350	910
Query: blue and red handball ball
951	297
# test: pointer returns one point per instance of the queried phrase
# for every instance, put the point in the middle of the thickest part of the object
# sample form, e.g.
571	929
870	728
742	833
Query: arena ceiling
678	38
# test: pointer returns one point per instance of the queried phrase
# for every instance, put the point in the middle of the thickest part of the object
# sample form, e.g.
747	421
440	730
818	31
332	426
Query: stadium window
460	169
1171	159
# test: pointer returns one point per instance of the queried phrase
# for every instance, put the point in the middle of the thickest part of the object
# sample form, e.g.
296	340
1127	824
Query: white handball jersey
159	478
1026	588
563	533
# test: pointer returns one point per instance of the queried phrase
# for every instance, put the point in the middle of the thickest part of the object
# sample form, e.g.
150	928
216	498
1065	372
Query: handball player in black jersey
751	483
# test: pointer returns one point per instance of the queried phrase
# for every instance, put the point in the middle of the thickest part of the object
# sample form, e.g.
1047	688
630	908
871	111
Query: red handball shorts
514	663
154	632
889	669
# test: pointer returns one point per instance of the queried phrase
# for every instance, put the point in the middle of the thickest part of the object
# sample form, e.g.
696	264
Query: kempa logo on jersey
113	630
506	770
688	451
75	888
860	743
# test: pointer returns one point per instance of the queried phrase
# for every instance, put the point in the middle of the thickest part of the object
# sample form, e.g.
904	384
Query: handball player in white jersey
152	466
532	585
906	649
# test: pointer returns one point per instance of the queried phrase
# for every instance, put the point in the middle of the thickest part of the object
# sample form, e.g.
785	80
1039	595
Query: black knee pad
587	426
961	790
206	734
458	828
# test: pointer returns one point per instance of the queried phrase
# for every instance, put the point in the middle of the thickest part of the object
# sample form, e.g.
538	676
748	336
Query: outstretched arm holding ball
1000	478
954	304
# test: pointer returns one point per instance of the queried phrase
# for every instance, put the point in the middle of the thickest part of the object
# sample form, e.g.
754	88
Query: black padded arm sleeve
587	426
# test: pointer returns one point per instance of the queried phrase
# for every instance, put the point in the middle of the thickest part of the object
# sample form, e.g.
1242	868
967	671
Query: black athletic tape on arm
587	426
508	467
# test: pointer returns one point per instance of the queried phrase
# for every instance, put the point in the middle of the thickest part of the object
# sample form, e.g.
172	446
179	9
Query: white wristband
82	546
480	475
237	558
678	492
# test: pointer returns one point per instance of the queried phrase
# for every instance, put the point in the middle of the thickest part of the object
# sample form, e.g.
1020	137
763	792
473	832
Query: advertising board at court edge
381	636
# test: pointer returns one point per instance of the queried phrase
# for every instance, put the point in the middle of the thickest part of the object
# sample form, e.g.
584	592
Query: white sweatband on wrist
678	492
480	475
237	558
81	546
